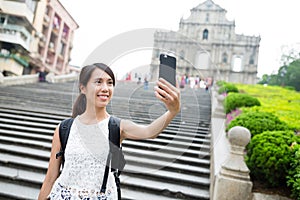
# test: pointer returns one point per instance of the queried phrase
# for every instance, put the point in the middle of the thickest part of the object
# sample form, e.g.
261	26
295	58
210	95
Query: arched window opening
224	58
251	61
181	54
237	64
205	34
207	17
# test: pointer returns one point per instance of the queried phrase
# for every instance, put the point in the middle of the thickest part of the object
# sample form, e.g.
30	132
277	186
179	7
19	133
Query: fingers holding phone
168	94
167	91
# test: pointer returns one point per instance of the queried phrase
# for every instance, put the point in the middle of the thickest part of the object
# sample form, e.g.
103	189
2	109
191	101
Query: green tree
292	76
287	75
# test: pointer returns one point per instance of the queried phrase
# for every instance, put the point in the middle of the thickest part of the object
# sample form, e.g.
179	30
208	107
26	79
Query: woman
87	148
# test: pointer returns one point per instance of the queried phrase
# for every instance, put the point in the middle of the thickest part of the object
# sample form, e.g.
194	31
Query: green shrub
220	83
269	155
238	100
227	88
289	88
293	178
258	122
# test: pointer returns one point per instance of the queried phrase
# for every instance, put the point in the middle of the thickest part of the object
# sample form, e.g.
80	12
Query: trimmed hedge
227	88
293	178
238	100
258	122
269	156
220	83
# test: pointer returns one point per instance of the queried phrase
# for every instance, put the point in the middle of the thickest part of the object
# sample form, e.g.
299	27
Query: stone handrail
233	180
229	174
34	78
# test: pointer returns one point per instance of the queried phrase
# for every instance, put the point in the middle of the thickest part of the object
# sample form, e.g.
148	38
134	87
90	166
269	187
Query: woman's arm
53	168
168	94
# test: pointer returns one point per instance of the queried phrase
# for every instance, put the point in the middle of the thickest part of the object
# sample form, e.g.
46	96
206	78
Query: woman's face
99	89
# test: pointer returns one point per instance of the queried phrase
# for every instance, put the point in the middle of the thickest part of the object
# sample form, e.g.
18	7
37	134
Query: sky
276	22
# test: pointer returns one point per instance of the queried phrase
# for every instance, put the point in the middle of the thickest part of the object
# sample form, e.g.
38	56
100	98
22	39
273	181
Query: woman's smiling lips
103	97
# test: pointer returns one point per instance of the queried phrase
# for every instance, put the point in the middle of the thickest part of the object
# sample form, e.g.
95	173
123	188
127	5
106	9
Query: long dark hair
84	77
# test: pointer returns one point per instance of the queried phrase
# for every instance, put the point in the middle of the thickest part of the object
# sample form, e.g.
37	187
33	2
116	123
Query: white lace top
85	159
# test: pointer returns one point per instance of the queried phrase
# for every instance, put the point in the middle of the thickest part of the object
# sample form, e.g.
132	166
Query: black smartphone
167	68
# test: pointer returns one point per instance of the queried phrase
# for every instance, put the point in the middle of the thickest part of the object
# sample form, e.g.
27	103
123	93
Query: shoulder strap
118	161
117	157
114	130
114	145
64	130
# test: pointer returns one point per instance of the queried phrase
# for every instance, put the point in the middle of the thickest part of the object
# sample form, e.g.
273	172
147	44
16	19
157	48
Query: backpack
115	157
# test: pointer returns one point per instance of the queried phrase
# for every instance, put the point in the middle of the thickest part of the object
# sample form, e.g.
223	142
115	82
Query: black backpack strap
117	160
64	131
105	177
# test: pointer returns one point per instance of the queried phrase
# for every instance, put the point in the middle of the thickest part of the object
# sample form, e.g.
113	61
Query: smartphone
167	68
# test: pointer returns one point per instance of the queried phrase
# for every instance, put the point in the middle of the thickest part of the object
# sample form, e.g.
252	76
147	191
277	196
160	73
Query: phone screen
167	68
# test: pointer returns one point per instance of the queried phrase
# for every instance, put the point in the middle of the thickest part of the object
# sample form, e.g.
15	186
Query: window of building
62	48
237	64
224	58
251	61
2	19
202	60
207	17
56	22
65	32
181	54
205	34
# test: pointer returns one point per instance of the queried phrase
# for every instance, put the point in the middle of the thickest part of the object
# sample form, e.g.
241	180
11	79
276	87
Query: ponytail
79	105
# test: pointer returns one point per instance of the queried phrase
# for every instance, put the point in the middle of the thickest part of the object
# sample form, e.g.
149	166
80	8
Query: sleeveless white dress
85	159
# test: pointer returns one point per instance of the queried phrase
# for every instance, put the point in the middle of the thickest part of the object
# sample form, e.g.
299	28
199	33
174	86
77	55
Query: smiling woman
86	173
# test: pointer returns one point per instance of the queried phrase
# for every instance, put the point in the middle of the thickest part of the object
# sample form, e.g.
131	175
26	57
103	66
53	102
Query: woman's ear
82	89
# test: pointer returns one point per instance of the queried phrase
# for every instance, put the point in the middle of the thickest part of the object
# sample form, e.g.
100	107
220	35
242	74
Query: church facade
206	45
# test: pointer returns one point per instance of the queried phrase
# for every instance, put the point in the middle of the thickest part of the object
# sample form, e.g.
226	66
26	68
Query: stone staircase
175	165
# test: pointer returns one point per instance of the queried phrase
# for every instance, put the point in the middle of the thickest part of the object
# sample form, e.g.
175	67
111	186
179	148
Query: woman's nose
104	86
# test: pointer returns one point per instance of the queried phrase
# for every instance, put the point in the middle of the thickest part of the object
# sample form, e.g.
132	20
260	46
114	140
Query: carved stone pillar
219	111
233	181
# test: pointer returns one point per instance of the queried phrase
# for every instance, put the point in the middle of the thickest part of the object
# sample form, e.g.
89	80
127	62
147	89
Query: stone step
28	152
183	138
177	143
32	113
167	149
31	119
24	135
27	124
170	165
158	155
170	189
23	177
132	194
168	176
14	191
26	129
25	142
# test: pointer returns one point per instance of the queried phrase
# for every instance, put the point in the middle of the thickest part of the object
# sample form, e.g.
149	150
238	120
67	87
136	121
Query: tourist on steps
87	148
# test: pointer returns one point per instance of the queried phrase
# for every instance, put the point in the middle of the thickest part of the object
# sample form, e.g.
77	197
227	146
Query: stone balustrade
33	78
233	180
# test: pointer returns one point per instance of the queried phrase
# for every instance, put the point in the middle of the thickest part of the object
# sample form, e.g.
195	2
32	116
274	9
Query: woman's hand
168	94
